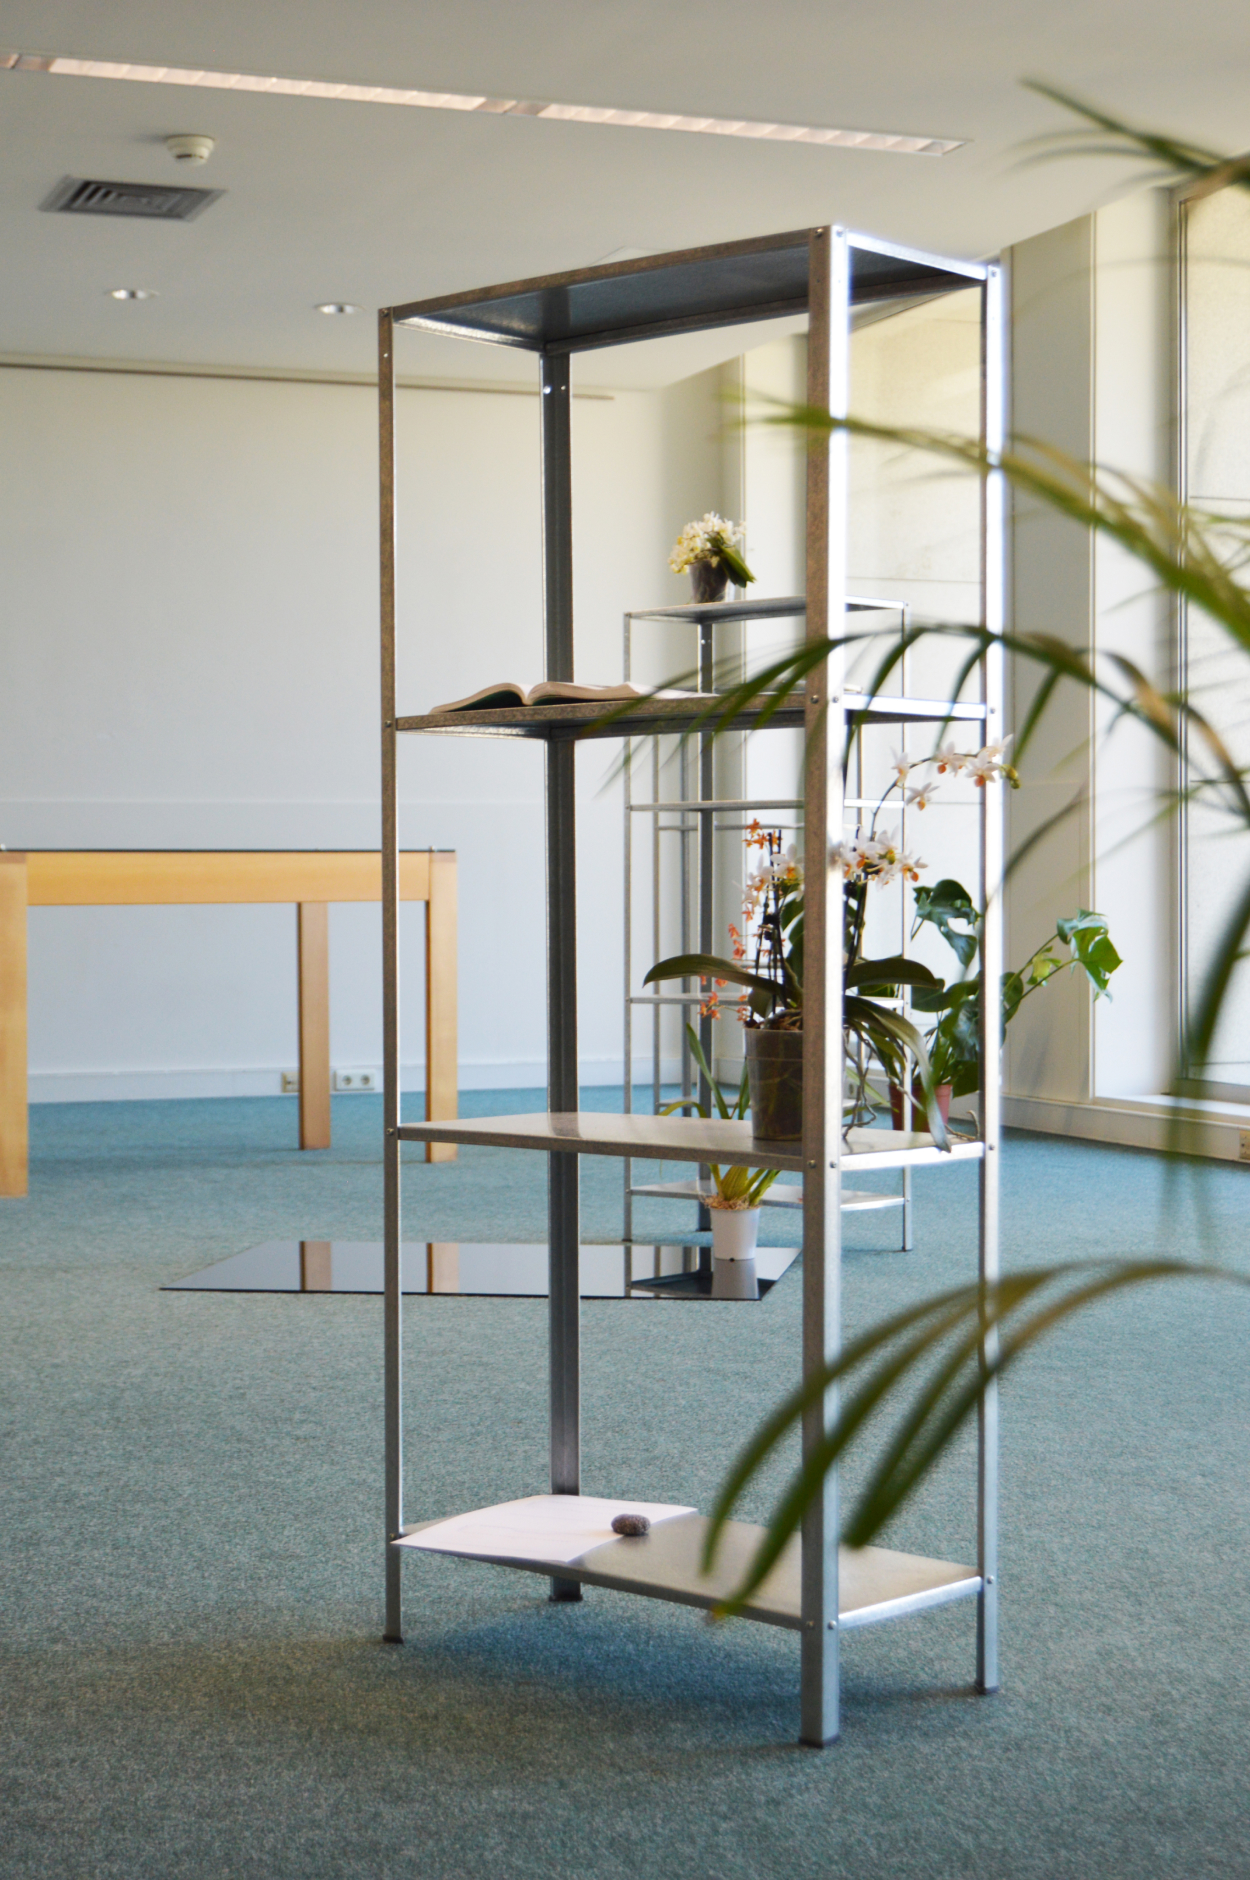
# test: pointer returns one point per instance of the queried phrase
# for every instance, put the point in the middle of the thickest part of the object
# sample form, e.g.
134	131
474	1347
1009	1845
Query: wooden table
311	879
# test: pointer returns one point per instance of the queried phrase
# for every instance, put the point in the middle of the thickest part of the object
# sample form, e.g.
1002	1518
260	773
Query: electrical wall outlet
1243	1144
290	1083
355	1080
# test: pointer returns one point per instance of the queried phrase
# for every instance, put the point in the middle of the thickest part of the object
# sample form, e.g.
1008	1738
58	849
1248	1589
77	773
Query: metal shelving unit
818	1589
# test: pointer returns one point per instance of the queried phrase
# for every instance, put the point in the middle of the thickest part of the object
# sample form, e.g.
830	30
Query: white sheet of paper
559	1528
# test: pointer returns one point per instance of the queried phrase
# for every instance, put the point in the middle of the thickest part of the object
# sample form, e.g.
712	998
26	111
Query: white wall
1135	835
915	539
915	521
1092	376
1217	477
1049	1048
188	642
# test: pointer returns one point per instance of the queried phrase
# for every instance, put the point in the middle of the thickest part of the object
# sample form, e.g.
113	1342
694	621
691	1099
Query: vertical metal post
907	1209
393	1280
994	501
657	950
1181	770
707	884
564	1226
827	376
627	951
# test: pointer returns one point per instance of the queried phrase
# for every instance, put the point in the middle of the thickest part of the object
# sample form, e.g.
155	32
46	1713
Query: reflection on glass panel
489	1270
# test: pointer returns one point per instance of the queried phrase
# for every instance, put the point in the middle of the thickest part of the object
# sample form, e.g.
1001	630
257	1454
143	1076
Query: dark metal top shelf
593	718
768	607
675	293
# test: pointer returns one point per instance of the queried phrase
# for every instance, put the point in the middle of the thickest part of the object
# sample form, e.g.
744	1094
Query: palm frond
1102	135
972	1334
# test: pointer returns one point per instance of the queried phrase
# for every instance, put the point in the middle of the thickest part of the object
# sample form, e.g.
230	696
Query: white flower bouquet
712	539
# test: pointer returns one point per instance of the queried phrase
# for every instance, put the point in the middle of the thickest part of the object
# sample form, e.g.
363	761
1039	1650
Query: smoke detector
190	147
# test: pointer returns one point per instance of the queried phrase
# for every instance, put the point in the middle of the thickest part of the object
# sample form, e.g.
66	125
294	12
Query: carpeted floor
191	1520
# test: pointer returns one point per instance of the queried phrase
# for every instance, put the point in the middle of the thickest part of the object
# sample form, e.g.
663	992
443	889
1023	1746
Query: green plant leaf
972	1335
739	572
709	966
718	1096
867	975
894	1038
943	904
1090	942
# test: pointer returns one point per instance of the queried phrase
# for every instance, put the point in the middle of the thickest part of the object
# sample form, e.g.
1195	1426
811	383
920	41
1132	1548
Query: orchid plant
876	1030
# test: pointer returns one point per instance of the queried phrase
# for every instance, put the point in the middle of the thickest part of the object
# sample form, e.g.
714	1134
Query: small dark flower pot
897	1105
709	580
775	1068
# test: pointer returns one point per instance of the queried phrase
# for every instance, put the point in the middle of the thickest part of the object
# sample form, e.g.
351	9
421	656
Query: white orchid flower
989	763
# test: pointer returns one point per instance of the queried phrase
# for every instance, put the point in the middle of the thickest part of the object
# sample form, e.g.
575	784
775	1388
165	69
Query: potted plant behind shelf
738	1191
954	1041
712	550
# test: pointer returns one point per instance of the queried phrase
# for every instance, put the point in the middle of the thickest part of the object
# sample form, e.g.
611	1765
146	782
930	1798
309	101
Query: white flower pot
734	1233
735	1279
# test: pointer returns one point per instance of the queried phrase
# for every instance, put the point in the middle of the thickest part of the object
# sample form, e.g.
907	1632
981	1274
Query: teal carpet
192	1683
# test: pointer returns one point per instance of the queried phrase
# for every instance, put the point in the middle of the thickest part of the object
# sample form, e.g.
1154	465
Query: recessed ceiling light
337	306
131	293
899	144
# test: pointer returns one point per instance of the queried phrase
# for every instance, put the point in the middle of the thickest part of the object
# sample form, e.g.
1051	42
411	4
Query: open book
507	694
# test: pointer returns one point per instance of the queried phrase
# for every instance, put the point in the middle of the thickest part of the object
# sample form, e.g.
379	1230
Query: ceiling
376	204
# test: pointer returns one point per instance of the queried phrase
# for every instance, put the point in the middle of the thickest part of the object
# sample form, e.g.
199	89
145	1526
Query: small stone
634	1525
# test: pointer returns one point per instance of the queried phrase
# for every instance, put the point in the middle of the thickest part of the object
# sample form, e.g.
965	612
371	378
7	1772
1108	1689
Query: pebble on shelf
634	1525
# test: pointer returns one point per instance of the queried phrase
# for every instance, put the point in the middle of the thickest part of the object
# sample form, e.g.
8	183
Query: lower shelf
630	1270
570	1537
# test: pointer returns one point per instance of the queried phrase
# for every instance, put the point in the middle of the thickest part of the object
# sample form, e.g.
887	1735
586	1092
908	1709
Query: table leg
316	1272
441	1065
314	1025
14	1126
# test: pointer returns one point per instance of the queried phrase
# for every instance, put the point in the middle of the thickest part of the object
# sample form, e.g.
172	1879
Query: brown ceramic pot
898	1103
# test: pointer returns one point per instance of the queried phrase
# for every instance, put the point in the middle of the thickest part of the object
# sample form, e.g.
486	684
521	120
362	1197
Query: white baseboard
1189	1125
131	1086
147	1086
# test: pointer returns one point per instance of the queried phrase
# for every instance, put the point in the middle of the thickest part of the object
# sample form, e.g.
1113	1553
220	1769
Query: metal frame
993	538
696	817
620	311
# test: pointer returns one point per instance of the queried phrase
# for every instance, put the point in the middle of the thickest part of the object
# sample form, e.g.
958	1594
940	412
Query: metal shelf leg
393	1282
564	1234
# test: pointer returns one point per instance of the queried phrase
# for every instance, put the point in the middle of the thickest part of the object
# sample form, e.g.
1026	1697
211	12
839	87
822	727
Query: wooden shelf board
591	718
535	1536
680	1139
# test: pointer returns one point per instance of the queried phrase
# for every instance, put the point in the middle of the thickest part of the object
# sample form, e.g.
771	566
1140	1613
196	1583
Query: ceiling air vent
155	202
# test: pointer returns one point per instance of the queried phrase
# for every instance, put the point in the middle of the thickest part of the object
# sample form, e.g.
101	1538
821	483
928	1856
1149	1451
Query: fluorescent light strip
501	107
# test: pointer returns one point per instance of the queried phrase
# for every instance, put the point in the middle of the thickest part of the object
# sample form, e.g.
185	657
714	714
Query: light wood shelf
874	1583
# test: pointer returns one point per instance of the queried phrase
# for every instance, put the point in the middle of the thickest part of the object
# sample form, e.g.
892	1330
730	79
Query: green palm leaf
973	1334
